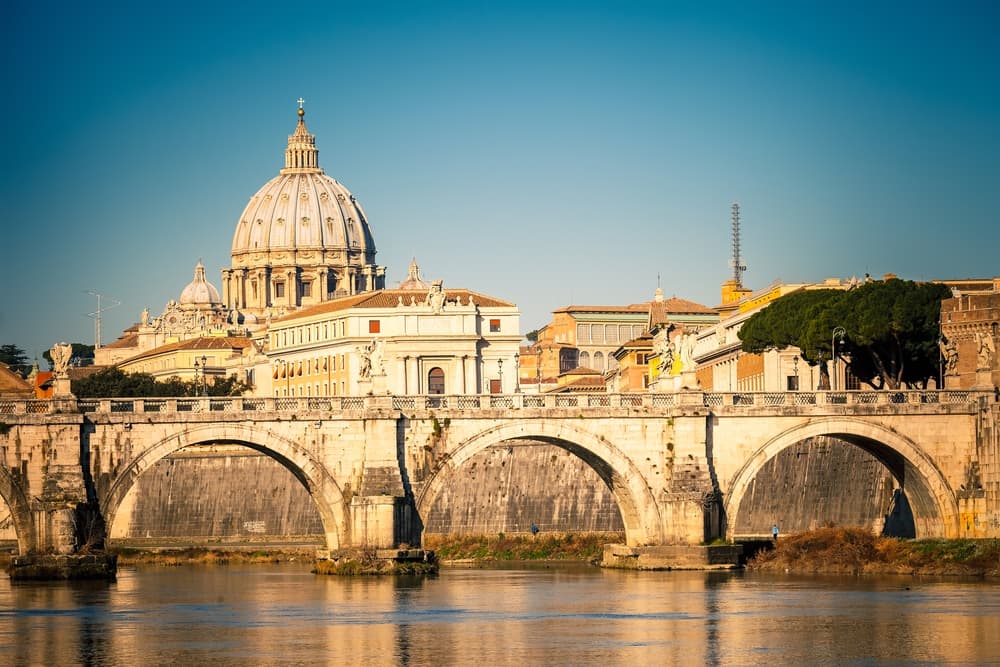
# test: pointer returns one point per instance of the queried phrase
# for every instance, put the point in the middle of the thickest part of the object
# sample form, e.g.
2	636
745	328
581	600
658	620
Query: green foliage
532	336
16	358
114	383
892	330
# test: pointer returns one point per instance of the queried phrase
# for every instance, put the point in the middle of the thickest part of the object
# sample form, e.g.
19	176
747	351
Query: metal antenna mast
97	315
737	262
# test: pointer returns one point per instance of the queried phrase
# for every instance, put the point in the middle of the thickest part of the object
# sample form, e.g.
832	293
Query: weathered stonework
679	466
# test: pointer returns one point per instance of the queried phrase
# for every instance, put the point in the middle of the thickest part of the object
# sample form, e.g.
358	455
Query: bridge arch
20	511
935	508
638	507
307	469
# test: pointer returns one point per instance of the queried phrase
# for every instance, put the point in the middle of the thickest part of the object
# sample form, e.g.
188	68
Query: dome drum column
292	288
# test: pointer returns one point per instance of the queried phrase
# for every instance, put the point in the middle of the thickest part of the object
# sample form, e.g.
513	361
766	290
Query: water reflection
581	616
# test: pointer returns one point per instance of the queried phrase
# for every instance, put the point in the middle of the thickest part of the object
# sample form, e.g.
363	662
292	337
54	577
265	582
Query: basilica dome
302	239
200	292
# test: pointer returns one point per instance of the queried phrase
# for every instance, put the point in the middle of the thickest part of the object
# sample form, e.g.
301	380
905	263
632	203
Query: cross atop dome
301	156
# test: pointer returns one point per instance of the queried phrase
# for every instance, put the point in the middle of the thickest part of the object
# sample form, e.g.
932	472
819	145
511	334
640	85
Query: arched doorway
435	381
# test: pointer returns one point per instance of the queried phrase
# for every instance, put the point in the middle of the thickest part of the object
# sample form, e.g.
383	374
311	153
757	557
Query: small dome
199	291
413	280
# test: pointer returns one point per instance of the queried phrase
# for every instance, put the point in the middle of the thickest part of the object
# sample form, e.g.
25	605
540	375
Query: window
374	326
494	386
435	381
585	359
494	326
279	290
582	333
611	335
597	333
307	288
792	383
598	361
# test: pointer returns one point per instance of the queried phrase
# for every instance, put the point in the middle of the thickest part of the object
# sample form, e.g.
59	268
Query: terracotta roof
126	340
199	344
660	311
581	370
389	298
587	383
642	342
12	384
631	308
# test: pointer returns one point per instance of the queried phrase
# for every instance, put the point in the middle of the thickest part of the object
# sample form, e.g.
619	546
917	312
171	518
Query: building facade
399	341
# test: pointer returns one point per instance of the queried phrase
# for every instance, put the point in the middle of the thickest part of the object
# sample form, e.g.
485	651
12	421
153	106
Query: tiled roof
586	383
660	311
390	298
200	344
11	384
631	308
581	370
126	340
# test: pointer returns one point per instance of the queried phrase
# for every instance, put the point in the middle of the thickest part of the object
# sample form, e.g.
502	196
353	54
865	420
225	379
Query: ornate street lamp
197	368
500	373
204	380
517	373
837	331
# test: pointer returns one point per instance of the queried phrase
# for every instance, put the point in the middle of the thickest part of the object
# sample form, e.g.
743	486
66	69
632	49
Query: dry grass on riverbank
856	551
583	547
205	556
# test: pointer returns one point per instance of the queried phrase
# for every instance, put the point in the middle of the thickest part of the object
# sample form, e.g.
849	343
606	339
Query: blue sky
544	153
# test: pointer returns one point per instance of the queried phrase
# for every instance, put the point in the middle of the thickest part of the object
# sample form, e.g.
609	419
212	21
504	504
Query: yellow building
399	341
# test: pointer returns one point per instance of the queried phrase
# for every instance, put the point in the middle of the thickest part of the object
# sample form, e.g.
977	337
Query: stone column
291	288
321	284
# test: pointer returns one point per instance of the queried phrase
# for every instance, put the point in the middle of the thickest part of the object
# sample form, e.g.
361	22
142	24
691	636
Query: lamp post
538	371
204	380
837	331
197	369
500	373
517	373
795	371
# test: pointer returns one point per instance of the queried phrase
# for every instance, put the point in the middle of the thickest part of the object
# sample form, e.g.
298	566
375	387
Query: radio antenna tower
97	315
737	262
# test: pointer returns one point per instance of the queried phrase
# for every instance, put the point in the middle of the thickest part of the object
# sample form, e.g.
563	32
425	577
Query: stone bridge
678	464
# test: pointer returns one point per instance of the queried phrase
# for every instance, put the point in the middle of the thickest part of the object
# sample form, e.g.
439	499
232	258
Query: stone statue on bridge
985	351
664	349
61	354
949	350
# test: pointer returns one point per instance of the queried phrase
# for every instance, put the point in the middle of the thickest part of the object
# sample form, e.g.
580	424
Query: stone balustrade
476	402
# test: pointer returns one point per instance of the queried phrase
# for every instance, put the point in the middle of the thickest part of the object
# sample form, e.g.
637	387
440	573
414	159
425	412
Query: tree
115	383
892	330
532	336
801	319
16	358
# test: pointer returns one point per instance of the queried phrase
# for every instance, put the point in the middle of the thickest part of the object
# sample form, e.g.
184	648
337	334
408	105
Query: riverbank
857	551
579	547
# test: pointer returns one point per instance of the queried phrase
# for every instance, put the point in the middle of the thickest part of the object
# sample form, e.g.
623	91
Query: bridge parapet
666	402
750	399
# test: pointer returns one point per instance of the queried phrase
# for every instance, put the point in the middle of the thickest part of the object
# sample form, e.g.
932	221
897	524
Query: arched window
585	359
435	381
598	361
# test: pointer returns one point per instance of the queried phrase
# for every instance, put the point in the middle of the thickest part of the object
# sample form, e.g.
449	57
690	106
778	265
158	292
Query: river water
559	615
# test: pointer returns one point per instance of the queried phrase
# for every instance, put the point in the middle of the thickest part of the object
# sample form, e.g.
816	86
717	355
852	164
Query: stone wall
509	488
228	493
817	481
